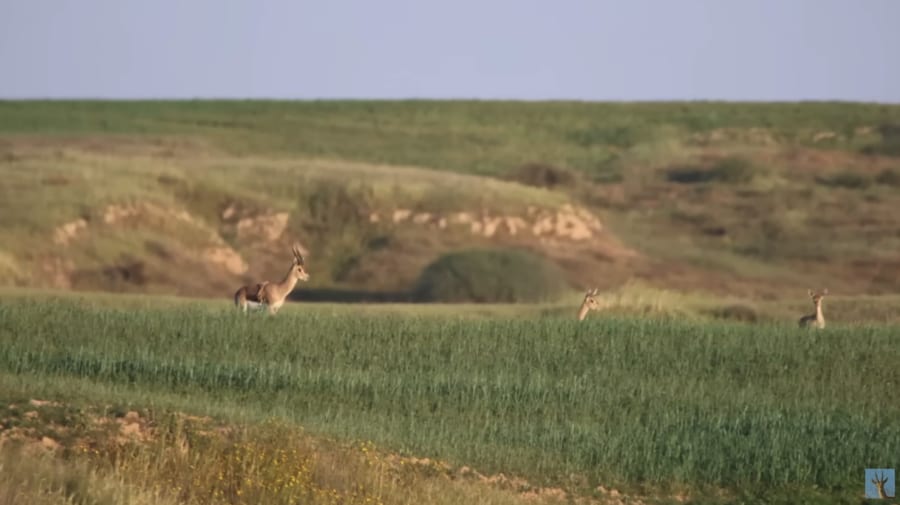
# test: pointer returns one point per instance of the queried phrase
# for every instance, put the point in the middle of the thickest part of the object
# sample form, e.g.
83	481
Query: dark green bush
490	276
731	170
846	179
888	177
543	175
889	145
885	148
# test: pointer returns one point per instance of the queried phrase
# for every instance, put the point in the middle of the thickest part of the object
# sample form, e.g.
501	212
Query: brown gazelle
590	303
272	294
816	319
880	481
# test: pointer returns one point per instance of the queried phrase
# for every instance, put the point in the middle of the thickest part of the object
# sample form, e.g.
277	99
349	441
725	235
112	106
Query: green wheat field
632	402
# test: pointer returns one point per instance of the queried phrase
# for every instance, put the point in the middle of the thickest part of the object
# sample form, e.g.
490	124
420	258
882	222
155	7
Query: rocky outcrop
567	222
267	227
226	258
209	245
66	233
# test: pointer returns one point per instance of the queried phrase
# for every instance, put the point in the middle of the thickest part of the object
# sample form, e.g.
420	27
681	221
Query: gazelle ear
825	291
810	293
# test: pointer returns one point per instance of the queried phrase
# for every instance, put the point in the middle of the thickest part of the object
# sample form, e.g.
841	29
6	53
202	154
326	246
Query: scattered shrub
688	175
611	171
543	175
608	177
888	177
846	179
734	170
889	145
730	170
609	135
490	276
884	148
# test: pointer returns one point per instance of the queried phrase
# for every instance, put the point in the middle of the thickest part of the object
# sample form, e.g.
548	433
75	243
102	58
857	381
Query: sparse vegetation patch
846	179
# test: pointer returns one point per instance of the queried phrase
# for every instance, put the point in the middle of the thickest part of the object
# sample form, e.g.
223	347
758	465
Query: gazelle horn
297	255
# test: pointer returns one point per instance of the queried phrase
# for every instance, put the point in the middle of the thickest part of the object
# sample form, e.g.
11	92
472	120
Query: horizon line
447	99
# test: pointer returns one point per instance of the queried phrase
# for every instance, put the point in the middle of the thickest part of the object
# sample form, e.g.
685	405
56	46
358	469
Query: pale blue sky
511	49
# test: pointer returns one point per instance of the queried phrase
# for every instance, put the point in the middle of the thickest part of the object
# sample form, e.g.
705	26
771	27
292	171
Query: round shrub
490	276
543	175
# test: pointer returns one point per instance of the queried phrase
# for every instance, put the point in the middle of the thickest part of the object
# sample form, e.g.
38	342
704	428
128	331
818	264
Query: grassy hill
751	201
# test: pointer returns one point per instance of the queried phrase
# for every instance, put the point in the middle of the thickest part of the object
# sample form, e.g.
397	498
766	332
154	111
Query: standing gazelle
880	481
816	319
590	303
272	294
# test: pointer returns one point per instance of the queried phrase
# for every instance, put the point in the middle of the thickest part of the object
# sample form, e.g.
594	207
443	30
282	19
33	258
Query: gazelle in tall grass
272	294
591	302
816	319
880	481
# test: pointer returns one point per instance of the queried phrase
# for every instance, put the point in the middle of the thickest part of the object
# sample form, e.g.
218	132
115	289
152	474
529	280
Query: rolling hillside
696	210
752	201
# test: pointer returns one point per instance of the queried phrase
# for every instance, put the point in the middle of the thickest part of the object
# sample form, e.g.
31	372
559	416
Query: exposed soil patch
752	136
66	233
133	272
48	427
32	146
567	222
266	227
227	258
56	270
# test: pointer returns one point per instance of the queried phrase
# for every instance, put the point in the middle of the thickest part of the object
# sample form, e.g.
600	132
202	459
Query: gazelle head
817	297
298	271
880	481
590	303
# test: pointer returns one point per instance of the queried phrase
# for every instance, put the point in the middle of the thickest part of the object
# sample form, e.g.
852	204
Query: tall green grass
631	401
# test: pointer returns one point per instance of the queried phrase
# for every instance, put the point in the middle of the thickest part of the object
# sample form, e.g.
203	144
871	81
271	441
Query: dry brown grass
54	453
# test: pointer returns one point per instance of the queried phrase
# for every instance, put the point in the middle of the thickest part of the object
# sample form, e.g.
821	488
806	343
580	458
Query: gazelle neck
582	312
288	282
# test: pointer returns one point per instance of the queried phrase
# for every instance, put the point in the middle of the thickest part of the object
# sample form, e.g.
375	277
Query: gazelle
880	481
816	318
590	303
272	294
